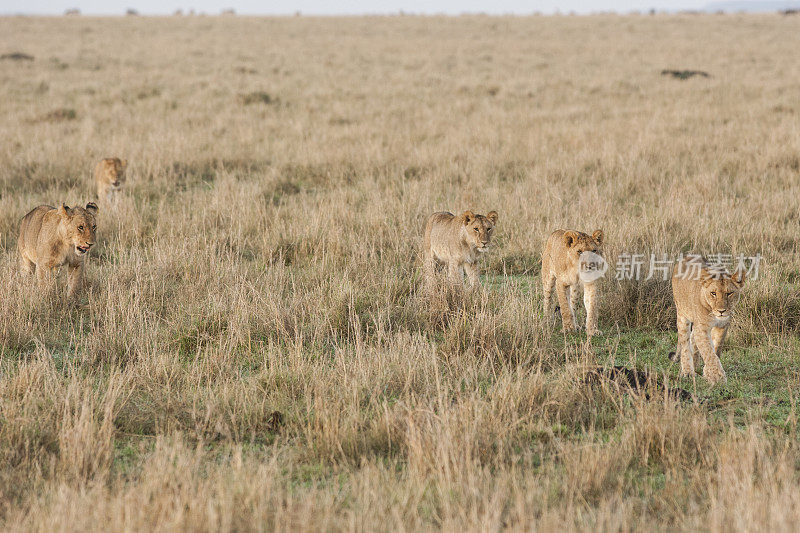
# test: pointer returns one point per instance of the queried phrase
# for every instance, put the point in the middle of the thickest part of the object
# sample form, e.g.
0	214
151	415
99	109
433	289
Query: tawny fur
704	301
50	238
457	241
560	270
109	176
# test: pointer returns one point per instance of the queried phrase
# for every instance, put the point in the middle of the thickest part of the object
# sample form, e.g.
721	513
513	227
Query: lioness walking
50	238
704	300
561	258
457	241
109	176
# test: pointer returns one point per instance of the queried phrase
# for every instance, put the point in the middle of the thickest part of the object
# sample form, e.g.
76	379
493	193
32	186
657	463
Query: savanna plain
253	350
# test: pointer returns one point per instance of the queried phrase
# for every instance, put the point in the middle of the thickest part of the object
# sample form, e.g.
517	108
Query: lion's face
79	226
114	172
578	243
478	229
721	293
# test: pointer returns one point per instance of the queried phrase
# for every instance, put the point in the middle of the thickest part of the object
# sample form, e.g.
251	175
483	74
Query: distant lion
457	241
561	270
50	238
704	301
109	176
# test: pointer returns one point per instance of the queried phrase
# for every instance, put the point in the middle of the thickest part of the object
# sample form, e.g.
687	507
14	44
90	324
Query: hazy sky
331	7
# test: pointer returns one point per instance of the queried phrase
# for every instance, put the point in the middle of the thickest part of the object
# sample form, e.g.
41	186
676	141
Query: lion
561	258
109	175
50	238
458	242
705	297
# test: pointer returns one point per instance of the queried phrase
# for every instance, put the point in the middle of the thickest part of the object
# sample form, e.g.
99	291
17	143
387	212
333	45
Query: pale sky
333	7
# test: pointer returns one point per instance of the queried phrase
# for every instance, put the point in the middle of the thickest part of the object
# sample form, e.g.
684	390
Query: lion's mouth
82	249
483	249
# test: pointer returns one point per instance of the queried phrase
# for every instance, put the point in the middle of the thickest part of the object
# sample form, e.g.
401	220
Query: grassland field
253	351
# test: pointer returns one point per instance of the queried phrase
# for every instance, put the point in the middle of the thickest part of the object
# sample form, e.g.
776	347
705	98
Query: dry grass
265	258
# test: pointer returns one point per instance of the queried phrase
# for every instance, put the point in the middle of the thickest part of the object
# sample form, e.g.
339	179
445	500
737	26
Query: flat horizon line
631	13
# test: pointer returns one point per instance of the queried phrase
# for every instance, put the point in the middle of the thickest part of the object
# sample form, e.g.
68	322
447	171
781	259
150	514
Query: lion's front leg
683	352
696	357
429	271
102	192
590	303
548	284
718	337
26	266
473	278
75	280
565	302
712	367
44	273
454	273
46	276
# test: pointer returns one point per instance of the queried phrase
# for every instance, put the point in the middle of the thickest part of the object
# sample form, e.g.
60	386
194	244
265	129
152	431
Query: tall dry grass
265	258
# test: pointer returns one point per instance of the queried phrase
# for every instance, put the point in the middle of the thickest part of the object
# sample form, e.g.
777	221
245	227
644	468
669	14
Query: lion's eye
730	293
714	294
476	229
80	228
94	227
490	230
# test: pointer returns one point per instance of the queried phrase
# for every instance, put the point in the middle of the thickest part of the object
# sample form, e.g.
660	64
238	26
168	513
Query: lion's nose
722	311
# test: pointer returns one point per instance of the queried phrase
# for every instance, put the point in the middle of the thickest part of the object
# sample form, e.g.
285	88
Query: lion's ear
598	236
64	210
492	215
468	216
739	278
569	238
92	208
706	276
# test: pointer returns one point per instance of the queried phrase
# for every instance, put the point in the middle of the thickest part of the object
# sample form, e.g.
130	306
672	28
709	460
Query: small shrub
685	74
257	97
17	56
60	115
